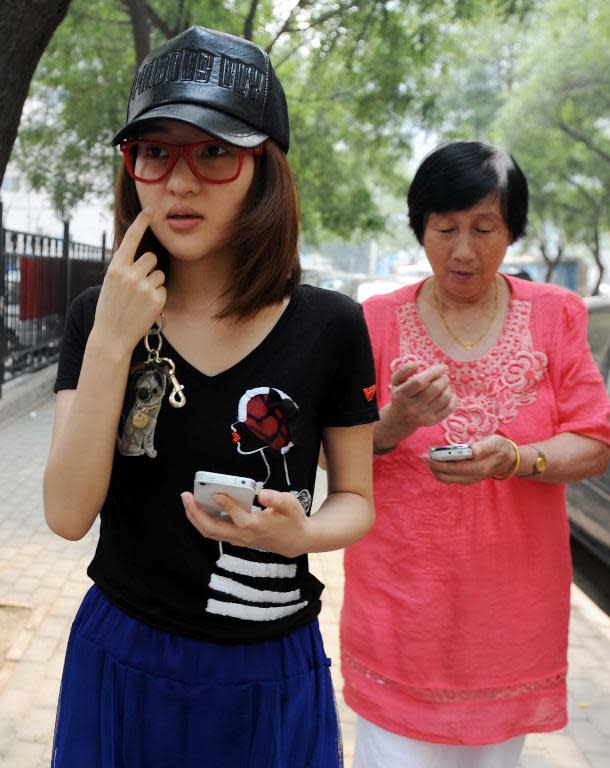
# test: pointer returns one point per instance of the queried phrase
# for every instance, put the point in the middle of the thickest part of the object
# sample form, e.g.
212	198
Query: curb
25	392
590	610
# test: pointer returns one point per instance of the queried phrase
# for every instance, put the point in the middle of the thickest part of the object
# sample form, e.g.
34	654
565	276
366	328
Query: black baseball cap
222	84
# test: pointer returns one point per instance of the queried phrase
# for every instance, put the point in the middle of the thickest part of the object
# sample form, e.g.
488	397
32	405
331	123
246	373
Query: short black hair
457	174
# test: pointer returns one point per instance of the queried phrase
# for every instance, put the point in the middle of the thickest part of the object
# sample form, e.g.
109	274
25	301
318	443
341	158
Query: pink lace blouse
455	618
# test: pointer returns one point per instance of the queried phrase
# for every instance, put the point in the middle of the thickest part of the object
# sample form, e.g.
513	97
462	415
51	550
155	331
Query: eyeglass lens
212	160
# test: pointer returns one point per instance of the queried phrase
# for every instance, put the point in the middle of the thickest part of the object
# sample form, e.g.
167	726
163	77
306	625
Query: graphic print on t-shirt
267	420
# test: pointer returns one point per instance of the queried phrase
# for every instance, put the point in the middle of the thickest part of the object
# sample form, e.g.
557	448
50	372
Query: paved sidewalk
42	580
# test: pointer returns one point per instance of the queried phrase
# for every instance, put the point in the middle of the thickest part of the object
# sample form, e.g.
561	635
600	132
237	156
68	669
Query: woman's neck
198	287
465	329
456	303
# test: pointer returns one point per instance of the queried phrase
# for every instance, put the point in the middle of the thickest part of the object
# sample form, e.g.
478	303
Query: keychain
177	398
152	375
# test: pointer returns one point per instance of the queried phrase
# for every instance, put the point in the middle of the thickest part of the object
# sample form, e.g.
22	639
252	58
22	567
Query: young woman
198	643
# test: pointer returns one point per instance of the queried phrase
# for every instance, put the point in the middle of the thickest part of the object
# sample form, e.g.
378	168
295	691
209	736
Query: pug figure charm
139	432
141	419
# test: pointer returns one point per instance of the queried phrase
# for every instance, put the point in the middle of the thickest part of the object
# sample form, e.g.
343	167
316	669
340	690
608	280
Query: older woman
455	620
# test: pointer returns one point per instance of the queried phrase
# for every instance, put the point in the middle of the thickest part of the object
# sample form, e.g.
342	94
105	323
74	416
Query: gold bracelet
515	469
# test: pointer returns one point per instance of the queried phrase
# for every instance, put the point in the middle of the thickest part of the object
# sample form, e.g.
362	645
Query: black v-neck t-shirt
261	418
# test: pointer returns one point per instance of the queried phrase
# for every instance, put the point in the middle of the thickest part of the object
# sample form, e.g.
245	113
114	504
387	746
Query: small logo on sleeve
369	392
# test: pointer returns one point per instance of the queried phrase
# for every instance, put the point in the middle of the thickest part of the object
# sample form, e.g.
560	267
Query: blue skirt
136	697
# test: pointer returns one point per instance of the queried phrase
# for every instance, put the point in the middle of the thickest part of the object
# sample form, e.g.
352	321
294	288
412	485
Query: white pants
378	748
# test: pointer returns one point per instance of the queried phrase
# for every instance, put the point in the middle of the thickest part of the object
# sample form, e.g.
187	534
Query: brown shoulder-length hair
263	239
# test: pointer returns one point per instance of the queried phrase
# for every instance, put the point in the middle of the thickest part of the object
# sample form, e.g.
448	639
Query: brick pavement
42	579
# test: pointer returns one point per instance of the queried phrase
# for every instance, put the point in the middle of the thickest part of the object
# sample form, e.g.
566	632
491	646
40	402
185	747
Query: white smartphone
455	452
242	489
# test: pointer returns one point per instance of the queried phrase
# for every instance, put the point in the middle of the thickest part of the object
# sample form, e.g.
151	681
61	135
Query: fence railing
39	278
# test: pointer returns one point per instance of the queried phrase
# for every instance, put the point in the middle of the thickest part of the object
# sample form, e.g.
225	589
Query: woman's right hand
419	399
133	292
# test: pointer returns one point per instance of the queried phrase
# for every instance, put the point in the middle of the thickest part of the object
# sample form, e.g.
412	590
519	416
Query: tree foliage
355	75
542	90
476	77
558	120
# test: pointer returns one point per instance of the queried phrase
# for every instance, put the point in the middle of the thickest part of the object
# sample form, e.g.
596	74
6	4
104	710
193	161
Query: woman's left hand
280	527
492	457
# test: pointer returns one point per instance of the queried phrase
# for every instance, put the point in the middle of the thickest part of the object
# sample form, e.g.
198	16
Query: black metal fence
39	277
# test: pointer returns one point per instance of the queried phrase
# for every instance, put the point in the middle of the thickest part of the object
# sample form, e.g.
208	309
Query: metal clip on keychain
177	398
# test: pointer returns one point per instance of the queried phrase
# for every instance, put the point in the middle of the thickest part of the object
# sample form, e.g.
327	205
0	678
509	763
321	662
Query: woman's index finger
404	372
135	232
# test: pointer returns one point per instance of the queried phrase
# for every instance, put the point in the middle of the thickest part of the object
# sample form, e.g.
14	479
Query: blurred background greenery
371	87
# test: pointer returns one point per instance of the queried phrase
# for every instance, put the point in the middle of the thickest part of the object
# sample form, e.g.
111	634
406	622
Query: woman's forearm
570	457
389	432
347	513
341	520
78	470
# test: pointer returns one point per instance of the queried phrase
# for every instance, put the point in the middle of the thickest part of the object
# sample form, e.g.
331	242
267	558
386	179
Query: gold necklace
454	336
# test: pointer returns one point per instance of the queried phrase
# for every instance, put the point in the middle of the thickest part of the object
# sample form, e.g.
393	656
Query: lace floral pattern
456	694
491	389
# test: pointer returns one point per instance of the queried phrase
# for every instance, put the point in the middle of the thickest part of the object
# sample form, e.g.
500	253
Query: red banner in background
41	293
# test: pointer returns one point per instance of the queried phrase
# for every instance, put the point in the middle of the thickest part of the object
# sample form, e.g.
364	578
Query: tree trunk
595	248
249	23
26	27
140	26
551	262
